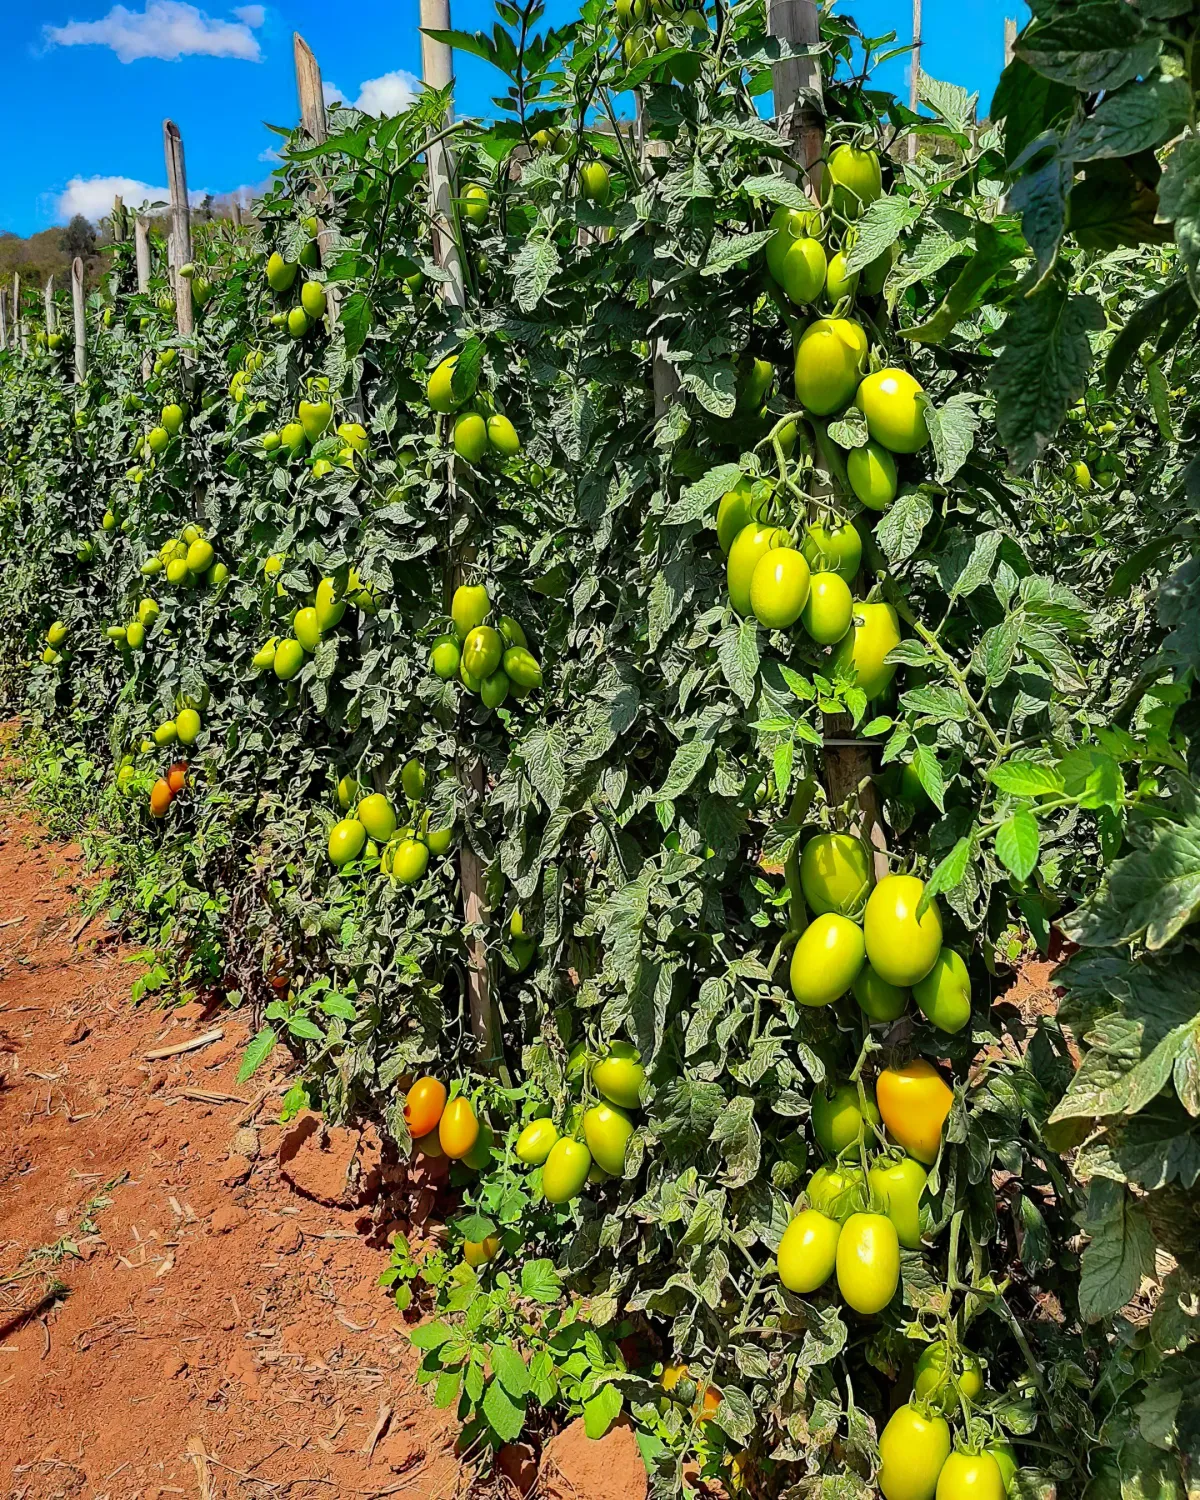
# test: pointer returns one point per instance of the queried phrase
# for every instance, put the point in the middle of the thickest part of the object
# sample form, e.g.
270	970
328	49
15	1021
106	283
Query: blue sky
95	79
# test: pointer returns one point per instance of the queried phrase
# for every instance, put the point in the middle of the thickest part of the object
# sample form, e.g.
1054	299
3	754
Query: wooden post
181	225
20	331
1010	39
80	320
141	245
48	300
235	213
914	87
3	320
315	126
848	771
120	221
437	72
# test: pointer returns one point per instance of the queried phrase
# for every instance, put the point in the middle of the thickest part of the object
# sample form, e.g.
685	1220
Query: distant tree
206	207
79	238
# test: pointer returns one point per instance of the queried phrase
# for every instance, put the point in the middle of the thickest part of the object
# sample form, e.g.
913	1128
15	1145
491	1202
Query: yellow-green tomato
619	1075
944	995
790	225
871	471
839	1118
502	436
894	406
808	1251
476	202
749	547
913	1449
307	628
377	816
409	861
833	549
779	588
566	1170
483	651
444	657
868	1262
862	652
840	282
288	659
837	1191
826	960
1005	1455
440	391
535	1142
939	1374
802	274
830	356
855	180
829	608
877	999
901	948
835	874
971	1476
607	1129
346	840
735	511
595	181
900	1185
328	607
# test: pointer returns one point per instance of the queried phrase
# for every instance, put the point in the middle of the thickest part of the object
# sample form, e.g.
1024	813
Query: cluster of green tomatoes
567	1163
310	623
479	430
186	559
650	26
373	833
281	277
492	661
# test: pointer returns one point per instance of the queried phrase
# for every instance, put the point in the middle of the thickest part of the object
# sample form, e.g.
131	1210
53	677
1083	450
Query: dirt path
176	1316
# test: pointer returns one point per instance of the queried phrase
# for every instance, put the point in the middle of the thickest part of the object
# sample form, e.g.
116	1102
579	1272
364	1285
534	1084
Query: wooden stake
437	72
48	300
235	213
800	115
120	221
914	87
1010	39
3	320
80	320
315	125
141	244
181	226
20	331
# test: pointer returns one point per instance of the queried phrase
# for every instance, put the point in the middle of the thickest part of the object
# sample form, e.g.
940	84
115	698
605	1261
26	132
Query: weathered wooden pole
141	245
180	242
235	213
437	66
316	127
48	301
1010	39
80	320
120	221
20	331
800	115
914	86
3	320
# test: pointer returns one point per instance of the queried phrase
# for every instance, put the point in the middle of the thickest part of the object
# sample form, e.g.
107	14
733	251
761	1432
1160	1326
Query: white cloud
167	29
270	155
93	196
387	95
331	92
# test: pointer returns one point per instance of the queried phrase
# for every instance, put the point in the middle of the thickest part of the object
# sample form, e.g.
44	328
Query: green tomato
901	949
790	225
830	356
971	1476
944	995
779	588
1005	1456
868	1262
566	1170
595	182
839	282
440	392
187	726
280	273
808	1251
483	651
346	841
470	437
900	1185
444	657
802	274
469	608
837	1191
749	547
877	999
838	1117
412	779
829	609
735	511
607	1129
939	1375
521	667
833	549
835	874
535	1142
378	817
288	659
511	632
894	406
313	299
315	417
754	377
826	959
855	180
329	608
347	790
409	861
862	652
502	436
619	1075
871	471
307	628
913	1449
494	689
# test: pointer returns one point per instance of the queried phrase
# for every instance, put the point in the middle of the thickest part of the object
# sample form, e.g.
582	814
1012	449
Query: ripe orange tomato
914	1101
160	797
423	1106
458	1128
177	776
